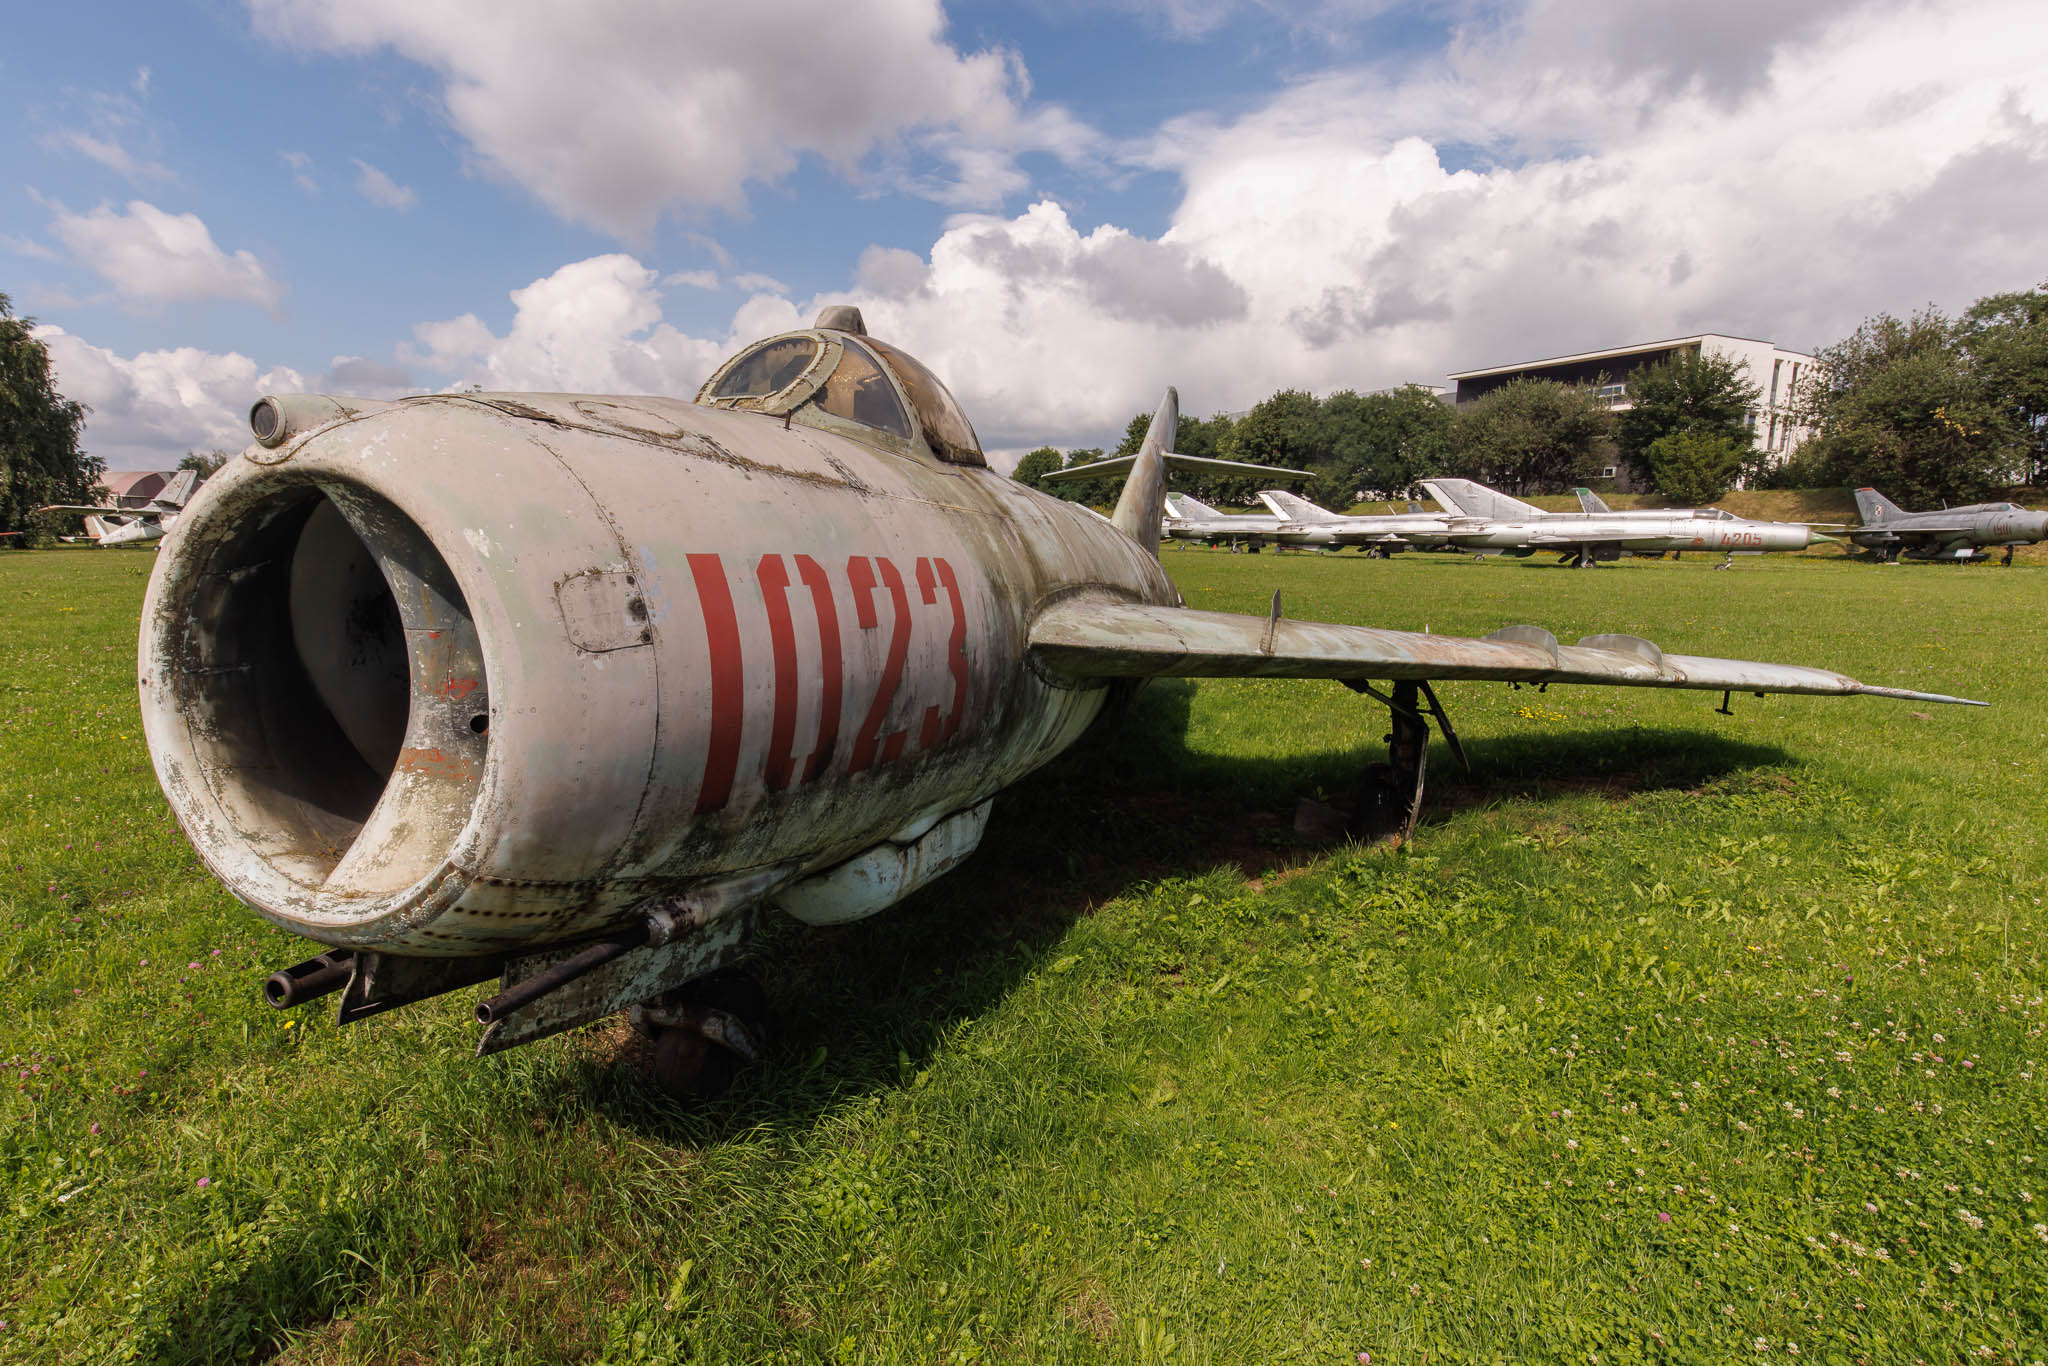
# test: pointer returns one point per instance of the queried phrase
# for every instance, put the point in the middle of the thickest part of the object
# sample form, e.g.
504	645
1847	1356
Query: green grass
1147	1080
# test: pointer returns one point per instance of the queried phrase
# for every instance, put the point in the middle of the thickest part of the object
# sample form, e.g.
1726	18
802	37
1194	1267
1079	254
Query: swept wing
1094	638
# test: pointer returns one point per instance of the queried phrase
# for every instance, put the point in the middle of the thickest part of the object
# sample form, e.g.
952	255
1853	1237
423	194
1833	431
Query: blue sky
1061	206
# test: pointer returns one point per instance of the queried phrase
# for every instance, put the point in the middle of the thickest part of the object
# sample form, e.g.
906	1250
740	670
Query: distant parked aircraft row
1486	521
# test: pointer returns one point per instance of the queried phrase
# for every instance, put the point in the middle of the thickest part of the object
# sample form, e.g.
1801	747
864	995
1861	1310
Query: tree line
1928	408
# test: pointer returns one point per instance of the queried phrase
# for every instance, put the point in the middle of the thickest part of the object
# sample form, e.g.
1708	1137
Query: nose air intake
331	711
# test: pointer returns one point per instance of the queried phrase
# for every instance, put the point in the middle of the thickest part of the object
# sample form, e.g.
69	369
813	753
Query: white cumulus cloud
154	257
594	326
150	408
1521	196
614	113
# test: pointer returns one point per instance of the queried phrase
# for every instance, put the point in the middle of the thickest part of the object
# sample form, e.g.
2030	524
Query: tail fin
1468	499
1414	508
1294	508
1875	507
1137	508
1191	506
179	491
1591	501
1143	500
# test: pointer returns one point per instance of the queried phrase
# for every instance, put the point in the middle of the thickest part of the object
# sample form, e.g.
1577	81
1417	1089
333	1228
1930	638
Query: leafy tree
1898	405
40	461
1035	464
1380	444
1095	492
1691	392
1532	436
1208	437
206	462
1694	467
2005	337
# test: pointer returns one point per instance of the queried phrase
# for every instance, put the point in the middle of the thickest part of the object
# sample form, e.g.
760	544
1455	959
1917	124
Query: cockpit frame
797	399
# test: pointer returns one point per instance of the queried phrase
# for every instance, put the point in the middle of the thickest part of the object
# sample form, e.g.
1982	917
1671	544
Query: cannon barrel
310	980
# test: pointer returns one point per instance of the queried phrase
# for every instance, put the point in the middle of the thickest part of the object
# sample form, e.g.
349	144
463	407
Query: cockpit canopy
837	378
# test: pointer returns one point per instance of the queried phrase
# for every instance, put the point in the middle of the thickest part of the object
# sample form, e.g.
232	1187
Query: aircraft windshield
859	392
769	368
946	428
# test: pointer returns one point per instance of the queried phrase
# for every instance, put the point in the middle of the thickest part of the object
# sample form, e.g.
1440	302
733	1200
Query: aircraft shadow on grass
1117	811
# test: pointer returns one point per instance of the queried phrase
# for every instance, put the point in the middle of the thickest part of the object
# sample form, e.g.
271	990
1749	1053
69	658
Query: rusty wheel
705	1032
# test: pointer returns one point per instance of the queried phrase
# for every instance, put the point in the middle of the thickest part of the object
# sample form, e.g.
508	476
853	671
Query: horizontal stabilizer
1098	638
1108	469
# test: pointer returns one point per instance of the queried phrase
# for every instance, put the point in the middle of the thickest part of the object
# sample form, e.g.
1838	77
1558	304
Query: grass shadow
862	1007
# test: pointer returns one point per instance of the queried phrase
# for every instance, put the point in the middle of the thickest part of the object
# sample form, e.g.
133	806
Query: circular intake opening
329	675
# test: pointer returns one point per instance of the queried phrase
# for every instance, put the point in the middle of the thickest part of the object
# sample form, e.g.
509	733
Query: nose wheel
704	1032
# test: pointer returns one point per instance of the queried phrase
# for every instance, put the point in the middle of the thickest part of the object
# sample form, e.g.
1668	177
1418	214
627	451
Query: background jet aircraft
118	523
1378	535
1592	504
574	691
1952	533
1188	519
1494	521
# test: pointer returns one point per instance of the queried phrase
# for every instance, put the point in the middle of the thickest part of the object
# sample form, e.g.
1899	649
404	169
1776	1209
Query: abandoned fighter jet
1951	534
572	692
1188	519
1378	535
1492	521
134	521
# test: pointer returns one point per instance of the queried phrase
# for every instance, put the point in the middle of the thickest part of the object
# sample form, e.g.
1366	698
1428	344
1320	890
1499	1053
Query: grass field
1672	1036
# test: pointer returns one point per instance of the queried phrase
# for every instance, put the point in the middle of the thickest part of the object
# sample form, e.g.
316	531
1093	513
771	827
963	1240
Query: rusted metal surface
310	980
641	975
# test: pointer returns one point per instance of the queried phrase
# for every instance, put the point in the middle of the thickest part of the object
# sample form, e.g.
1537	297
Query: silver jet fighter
1951	534
574	691
122	522
1492	521
1378	535
1188	519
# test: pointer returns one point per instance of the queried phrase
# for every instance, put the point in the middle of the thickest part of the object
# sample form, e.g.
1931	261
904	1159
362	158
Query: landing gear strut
2007	561
1389	795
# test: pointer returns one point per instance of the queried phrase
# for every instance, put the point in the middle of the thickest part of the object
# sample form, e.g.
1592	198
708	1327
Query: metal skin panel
775	566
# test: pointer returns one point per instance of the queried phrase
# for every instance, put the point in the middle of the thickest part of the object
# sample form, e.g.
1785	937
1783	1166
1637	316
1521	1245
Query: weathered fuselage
463	674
